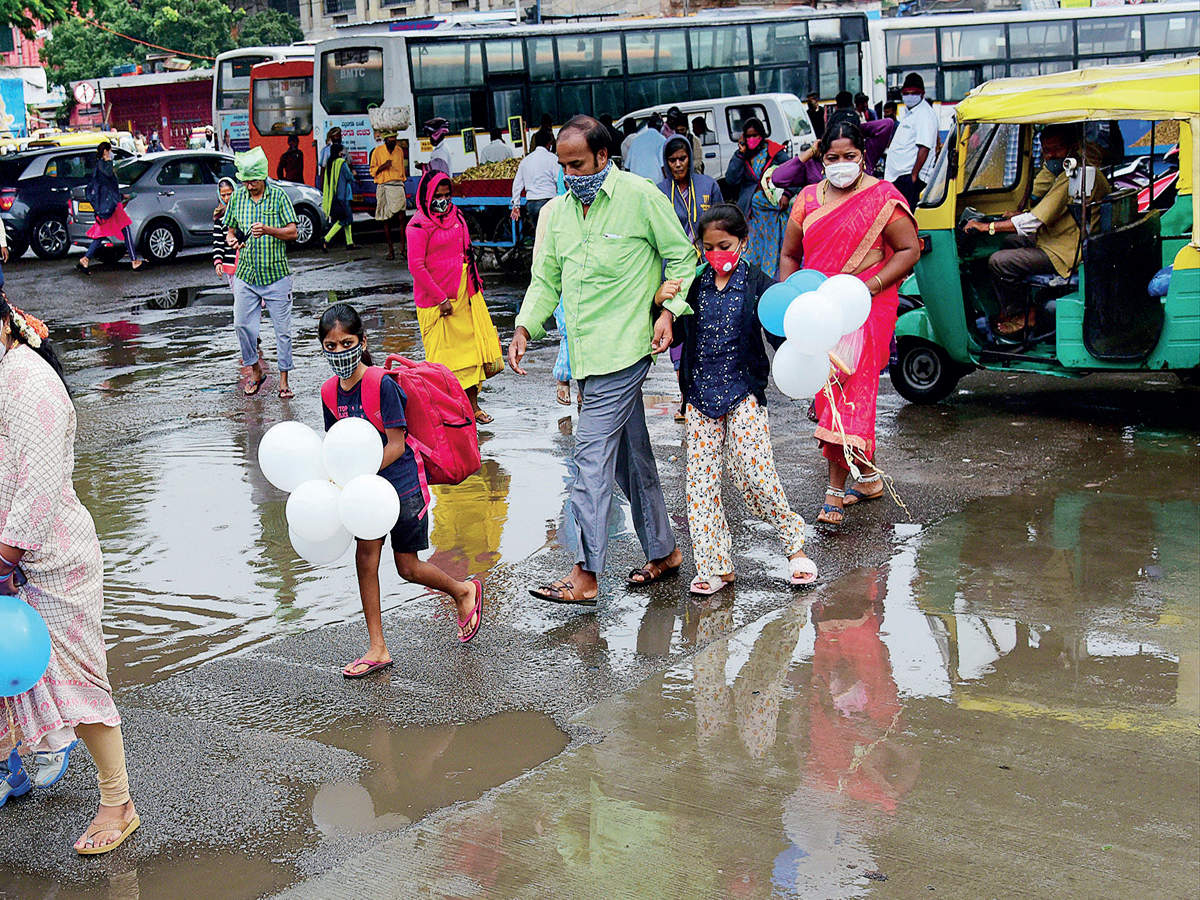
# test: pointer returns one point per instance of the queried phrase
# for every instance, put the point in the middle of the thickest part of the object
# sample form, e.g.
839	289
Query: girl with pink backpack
359	389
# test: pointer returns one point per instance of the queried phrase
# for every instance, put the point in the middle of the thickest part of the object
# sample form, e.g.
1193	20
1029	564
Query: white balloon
813	322
852	297
312	511
290	454
352	448
322	553
799	374
369	507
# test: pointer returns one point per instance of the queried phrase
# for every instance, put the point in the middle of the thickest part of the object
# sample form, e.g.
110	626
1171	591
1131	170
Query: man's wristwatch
992	228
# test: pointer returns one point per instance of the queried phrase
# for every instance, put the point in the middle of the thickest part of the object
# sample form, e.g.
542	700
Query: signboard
85	93
233	131
516	131
468	139
12	106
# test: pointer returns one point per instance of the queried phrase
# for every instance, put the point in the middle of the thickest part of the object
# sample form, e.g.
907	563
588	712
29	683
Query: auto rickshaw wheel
922	372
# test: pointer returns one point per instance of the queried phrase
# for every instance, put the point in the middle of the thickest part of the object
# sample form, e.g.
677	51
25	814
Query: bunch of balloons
336	492
24	646
813	312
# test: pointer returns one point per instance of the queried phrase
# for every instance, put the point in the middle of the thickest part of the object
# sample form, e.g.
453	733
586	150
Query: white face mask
911	100
843	174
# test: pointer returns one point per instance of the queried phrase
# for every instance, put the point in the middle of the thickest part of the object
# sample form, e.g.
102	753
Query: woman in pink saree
852	223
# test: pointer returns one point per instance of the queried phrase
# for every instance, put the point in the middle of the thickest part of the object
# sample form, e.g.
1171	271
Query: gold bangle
878	281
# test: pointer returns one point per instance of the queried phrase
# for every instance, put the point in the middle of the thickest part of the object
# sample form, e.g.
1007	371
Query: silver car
173	196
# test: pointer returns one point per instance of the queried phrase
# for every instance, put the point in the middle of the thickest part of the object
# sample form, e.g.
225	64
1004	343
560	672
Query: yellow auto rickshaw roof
1153	91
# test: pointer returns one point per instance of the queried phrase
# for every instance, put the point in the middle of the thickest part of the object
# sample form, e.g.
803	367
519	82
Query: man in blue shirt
646	150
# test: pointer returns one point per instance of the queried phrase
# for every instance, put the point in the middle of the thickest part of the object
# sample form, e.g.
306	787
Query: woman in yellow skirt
456	327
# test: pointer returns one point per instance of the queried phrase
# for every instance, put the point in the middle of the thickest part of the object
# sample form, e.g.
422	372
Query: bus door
835	51
507	99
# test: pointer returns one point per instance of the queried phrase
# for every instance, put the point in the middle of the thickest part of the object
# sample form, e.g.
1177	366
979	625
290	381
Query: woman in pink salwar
852	223
50	558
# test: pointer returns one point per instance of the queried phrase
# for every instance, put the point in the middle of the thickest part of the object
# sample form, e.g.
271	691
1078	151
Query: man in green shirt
260	220
602	247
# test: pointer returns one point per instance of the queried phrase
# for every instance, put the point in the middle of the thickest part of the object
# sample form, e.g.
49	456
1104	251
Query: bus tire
308	227
922	372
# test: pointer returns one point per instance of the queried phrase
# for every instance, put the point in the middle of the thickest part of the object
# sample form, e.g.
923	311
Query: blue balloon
805	280
24	646
773	304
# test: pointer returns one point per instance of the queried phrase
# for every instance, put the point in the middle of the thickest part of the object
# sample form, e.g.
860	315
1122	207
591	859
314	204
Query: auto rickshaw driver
1046	239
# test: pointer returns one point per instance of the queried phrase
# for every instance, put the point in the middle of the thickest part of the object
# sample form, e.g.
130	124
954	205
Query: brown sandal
652	572
562	591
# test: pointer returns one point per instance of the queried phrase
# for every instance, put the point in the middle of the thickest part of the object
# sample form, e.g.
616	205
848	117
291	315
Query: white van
783	115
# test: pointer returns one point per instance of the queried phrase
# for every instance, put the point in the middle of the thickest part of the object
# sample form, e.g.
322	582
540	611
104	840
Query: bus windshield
351	79
283	106
233	82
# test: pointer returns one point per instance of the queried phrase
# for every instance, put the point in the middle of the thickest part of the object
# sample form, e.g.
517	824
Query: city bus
231	90
511	76
281	107
954	53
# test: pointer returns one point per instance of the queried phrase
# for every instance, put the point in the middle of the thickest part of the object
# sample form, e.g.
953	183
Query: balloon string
848	451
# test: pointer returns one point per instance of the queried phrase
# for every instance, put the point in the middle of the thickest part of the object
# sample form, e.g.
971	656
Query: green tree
269	28
23	13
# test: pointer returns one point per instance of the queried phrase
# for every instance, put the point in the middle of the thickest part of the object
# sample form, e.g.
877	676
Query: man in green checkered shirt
260	220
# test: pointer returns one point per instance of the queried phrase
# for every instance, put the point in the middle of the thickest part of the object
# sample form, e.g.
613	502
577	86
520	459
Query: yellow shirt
394	172
1059	235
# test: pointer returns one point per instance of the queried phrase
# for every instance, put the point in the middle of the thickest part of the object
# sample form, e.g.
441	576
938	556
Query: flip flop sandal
859	496
483	418
714	585
52	765
649	576
827	508
95	829
563	395
803	571
286	393
562	591
371	668
476	614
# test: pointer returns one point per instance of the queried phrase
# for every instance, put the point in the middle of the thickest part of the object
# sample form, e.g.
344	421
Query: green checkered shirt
262	260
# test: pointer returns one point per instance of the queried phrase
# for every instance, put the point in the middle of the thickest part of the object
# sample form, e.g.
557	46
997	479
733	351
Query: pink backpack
441	423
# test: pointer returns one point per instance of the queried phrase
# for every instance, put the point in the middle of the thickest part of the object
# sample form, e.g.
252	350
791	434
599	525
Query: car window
182	172
74	165
221	167
131	170
708	135
736	116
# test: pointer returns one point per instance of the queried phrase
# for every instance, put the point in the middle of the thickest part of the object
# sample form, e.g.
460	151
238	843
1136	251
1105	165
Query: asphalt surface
256	767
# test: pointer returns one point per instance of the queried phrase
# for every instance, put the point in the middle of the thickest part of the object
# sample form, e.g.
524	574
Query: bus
954	53
231	90
281	107
509	77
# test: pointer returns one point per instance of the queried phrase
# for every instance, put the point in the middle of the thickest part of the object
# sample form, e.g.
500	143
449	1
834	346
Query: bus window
779	42
1037	40
445	64
608	97
545	103
234	82
720	84
505	57
661	50
588	56
825	31
654	91
1108	35
912	48
853	80
574	99
719	48
958	81
783	81
829	79
1173	31
352	79
283	105
541	59
1021	69
972	42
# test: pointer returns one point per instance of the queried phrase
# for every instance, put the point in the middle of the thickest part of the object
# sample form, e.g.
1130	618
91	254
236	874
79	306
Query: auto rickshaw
1105	315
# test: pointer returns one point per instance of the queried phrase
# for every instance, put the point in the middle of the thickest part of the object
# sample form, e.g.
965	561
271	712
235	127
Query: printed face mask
440	205
911	100
843	174
586	187
723	261
344	362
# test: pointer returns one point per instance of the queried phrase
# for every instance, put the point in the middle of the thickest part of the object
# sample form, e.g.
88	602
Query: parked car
783	115
173	196
35	193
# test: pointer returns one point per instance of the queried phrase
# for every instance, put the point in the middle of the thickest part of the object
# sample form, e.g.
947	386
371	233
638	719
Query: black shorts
411	534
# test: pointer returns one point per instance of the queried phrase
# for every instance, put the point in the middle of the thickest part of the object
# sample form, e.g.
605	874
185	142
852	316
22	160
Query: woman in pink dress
852	223
112	222
50	558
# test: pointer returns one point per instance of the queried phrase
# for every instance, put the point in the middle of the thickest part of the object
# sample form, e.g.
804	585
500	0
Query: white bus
231	90
954	53
487	76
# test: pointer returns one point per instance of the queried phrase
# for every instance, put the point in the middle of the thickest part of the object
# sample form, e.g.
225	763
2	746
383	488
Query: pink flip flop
371	668
476	614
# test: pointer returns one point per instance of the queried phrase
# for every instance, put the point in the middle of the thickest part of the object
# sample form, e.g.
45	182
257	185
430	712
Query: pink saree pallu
846	236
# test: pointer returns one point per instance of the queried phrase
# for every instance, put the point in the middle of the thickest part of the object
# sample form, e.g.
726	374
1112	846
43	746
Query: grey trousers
1009	269
612	444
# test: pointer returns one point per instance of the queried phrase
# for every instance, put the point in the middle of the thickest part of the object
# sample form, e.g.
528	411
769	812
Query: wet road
996	696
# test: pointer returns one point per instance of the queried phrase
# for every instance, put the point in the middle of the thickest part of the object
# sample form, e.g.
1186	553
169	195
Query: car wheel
922	372
50	237
160	242
308	227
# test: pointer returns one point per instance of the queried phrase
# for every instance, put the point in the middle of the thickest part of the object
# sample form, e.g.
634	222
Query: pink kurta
40	514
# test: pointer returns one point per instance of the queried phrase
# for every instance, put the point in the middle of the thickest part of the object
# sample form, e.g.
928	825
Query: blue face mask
586	187
1054	166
